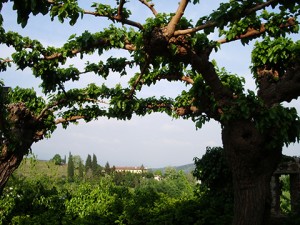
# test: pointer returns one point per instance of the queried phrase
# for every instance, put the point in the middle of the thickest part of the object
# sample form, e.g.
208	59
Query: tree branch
120	9
64	101
73	118
286	88
210	23
170	29
150	6
176	77
143	70
6	61
260	6
251	32
101	42
203	66
116	18
195	29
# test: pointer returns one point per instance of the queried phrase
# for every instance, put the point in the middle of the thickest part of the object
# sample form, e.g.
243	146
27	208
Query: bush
215	192
32	202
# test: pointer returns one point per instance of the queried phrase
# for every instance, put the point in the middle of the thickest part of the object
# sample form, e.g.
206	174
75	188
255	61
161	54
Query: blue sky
154	141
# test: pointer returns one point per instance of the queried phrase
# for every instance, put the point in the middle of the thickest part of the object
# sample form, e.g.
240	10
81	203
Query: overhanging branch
150	6
70	119
251	32
211	23
99	43
117	18
143	70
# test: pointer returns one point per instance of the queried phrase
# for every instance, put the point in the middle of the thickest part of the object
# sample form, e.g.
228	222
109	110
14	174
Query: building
132	169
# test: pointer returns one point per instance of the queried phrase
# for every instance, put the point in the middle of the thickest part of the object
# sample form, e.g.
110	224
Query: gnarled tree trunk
9	162
252	163
19	131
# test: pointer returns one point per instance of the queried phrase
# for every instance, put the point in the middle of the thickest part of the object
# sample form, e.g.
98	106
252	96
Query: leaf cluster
25	7
283	125
66	9
110	12
215	189
276	54
35	104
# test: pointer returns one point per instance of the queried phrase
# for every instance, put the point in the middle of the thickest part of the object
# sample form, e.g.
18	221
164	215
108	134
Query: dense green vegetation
41	192
50	197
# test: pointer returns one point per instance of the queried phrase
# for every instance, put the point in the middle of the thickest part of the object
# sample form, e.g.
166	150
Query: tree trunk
252	163
9	164
18	132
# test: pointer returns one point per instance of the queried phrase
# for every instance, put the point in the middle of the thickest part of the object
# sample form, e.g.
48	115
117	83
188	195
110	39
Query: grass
31	167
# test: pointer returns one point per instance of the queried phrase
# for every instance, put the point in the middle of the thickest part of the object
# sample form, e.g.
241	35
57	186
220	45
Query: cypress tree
80	170
70	168
88	163
94	165
107	168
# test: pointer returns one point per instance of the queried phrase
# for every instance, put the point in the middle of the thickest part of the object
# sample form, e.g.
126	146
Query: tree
76	161
80	170
88	163
170	47
71	169
107	168
95	166
215	190
57	159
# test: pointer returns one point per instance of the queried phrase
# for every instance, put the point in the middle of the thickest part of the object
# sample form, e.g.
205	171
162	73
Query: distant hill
188	168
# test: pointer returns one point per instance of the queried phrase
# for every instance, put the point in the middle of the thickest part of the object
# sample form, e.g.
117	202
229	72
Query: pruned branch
143	70
62	102
209	24
176	77
195	29
251	32
120	9
260	6
72	118
116	18
187	79
170	29
101	42
150	6
5	61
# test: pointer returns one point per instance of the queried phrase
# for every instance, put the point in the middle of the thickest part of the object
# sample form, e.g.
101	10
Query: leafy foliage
233	19
103	202
215	192
57	159
71	168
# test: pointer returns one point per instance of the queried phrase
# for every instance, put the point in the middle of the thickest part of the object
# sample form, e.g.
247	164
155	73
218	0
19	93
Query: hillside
188	168
34	168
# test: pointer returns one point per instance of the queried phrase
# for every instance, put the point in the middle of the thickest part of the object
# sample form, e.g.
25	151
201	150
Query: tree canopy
171	59
170	47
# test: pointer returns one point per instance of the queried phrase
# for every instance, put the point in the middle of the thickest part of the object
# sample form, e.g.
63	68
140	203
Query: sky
155	140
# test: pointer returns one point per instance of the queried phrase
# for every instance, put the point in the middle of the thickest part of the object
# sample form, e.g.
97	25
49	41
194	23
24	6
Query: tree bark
252	164
9	164
19	131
